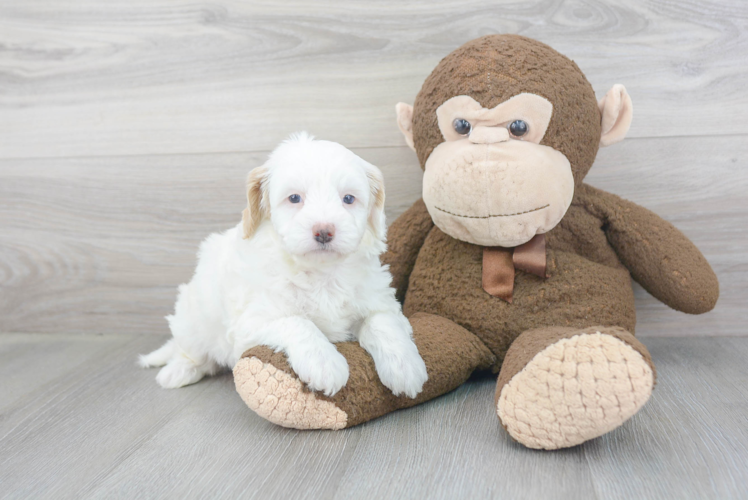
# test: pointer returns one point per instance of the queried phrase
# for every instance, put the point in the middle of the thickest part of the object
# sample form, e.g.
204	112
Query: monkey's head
504	128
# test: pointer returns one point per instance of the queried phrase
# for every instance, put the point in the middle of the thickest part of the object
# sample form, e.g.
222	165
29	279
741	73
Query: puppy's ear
376	203
257	202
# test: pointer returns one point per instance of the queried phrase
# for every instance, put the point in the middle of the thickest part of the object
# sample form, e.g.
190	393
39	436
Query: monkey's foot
279	396
269	386
563	387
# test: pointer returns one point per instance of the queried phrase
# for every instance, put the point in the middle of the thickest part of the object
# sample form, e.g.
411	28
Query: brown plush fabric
588	283
404	240
493	68
451	354
532	342
446	280
661	259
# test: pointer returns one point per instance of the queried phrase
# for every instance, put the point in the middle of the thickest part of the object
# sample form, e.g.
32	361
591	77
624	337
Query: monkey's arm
405	237
661	258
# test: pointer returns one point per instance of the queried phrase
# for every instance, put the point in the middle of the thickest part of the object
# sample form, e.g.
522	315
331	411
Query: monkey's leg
559	387
269	386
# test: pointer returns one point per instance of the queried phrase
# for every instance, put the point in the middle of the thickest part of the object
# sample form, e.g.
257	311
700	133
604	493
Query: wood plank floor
80	420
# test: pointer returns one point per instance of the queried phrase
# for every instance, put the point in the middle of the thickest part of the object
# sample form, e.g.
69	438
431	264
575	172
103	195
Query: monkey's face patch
491	182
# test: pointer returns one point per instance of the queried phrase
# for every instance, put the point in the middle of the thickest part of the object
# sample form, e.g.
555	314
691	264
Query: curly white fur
268	281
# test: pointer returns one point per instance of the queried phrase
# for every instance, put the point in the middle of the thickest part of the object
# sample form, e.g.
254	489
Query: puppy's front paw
322	370
403	373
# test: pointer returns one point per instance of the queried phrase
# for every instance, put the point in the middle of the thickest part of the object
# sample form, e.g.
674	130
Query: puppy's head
322	199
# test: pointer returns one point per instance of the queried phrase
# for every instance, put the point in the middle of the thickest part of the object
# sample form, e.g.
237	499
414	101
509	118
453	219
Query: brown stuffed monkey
510	262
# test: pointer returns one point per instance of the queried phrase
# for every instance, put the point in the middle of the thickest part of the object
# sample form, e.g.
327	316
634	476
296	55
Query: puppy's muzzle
323	233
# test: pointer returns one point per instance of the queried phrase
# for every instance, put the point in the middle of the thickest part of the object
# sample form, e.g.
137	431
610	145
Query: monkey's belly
446	280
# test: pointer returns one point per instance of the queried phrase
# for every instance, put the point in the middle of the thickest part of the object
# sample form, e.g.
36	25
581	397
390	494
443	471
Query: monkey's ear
617	111
257	202
405	122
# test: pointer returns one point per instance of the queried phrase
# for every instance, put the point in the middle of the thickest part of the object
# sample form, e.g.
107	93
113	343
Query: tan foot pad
574	390
280	398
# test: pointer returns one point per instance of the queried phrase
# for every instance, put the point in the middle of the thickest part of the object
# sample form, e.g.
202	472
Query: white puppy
300	272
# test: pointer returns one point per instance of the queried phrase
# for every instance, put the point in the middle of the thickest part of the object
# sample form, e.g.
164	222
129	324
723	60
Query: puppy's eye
518	128
349	199
462	126
294	198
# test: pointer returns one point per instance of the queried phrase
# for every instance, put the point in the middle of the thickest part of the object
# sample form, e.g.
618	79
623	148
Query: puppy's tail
159	357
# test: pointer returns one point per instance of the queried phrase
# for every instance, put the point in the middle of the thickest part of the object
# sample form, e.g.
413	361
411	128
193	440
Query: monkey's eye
294	198
518	128
462	126
349	199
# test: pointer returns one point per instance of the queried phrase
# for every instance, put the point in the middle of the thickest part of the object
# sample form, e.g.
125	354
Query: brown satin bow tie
499	264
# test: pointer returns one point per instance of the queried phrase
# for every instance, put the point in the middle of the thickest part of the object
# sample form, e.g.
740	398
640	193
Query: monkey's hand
660	258
405	238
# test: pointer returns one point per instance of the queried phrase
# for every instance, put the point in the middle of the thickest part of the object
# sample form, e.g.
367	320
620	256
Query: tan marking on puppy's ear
405	122
376	203
257	202
617	111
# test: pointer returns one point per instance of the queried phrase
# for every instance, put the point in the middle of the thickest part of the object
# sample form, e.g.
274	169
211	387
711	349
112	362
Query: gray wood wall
126	130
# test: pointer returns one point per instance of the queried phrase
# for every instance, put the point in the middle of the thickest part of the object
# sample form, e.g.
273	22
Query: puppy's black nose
323	233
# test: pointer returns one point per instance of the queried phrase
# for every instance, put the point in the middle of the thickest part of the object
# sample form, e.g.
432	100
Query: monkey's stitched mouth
490	216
